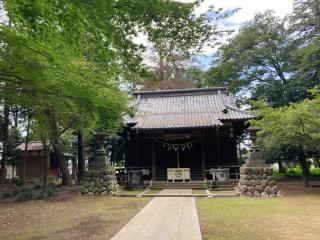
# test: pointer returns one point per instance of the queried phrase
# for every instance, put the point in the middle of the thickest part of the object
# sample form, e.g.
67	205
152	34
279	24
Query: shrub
37	186
39	195
25	195
296	172
315	171
19	183
208	184
14	192
51	191
5	195
28	194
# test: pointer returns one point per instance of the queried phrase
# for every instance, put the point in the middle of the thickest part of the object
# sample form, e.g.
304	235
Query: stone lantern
255	175
101	177
255	158
101	159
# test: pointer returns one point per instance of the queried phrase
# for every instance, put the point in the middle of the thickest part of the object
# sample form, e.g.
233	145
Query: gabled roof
184	108
32	146
37	146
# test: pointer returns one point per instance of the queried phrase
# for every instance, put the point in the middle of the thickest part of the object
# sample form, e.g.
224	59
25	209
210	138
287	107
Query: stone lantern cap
253	129
101	134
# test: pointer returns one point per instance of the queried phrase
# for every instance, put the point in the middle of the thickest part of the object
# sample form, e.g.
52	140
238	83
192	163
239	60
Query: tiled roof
32	146
37	146
186	108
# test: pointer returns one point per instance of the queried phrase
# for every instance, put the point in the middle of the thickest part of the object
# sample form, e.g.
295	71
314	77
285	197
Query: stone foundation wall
257	182
100	182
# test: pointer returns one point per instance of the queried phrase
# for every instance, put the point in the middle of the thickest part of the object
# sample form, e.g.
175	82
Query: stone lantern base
100	182
257	182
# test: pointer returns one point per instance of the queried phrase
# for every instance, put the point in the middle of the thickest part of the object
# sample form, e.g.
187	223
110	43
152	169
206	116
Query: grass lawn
76	217
295	216
224	192
154	191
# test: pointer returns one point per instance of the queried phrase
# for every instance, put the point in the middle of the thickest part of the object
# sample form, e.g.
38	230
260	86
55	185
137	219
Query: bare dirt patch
75	217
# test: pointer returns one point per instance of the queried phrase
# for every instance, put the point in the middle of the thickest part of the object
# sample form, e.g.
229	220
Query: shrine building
186	131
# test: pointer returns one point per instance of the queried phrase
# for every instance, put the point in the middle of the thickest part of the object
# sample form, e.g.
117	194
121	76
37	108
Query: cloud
248	9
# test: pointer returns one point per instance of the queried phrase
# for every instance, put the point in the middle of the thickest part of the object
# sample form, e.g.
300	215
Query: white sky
248	9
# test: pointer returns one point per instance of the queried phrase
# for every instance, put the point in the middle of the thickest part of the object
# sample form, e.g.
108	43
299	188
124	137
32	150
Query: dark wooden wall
219	149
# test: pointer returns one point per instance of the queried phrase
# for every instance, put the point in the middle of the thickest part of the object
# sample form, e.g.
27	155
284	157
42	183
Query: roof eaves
240	111
177	91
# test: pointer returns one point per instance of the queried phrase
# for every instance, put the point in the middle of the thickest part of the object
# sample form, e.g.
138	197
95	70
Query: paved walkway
176	191
164	218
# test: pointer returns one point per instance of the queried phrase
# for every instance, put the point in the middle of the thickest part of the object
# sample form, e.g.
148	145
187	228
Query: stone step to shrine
178	185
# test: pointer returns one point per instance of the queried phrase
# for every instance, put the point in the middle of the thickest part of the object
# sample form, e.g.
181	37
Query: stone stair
178	185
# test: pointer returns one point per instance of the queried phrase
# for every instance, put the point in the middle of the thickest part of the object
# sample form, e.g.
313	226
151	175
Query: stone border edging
180	195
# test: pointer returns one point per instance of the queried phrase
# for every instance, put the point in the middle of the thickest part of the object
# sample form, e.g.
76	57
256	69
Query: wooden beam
153	160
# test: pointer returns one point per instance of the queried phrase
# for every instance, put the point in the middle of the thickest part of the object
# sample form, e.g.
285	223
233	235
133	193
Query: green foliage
305	20
115	145
209	184
258	59
175	43
272	59
28	194
297	173
288	131
5	195
46	193
63	62
25	195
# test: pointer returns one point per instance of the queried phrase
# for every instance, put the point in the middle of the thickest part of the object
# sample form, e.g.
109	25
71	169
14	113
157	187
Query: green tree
305	20
175	43
258	59
304	25
64	61
291	131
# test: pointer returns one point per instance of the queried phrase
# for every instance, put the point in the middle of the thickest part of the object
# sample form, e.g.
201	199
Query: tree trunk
317	161
281	168
74	169
5	136
46	160
15	126
13	168
81	157
57	147
66	177
305	168
24	161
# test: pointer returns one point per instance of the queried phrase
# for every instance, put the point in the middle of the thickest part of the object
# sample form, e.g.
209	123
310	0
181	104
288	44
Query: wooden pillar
137	149
178	159
218	145
153	160
203	160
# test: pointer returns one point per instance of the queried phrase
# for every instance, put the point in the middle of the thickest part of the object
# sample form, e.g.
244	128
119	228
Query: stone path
164	218
176	191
